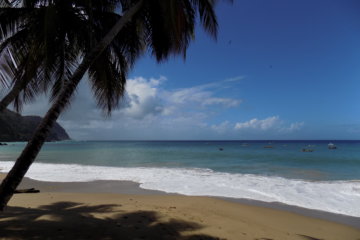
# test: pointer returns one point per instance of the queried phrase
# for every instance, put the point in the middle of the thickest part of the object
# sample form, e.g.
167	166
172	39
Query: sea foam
342	197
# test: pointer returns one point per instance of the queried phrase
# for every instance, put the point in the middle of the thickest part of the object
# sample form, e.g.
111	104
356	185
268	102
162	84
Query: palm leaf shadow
63	219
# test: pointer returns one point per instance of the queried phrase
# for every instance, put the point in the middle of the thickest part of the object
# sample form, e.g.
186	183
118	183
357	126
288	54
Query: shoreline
133	188
122	210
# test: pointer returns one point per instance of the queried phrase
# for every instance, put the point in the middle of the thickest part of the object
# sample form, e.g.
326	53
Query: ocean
324	179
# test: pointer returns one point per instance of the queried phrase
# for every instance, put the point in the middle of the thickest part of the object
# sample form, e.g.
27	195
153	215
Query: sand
101	210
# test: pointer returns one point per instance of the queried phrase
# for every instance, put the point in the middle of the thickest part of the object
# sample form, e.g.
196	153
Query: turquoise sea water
285	159
323	179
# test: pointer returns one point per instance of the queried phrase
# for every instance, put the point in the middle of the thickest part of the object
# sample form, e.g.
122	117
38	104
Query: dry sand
76	211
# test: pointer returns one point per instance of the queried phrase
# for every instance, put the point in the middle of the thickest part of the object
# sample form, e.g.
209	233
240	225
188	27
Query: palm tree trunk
14	92
27	157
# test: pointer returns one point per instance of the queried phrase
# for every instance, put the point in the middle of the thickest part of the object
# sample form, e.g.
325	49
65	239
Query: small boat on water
307	150
332	146
268	146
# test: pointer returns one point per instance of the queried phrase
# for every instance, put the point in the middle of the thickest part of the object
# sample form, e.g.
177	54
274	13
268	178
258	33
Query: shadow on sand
70	220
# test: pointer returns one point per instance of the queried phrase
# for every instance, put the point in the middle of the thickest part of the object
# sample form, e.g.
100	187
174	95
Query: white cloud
294	127
203	95
222	127
145	97
226	102
142	97
270	123
186	95
255	123
148	111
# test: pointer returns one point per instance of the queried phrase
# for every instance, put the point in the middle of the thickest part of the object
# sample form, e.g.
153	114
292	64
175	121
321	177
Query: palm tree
46	38
26	34
166	27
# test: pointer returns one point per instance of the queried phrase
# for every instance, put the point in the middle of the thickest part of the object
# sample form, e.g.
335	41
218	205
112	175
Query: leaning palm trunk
27	157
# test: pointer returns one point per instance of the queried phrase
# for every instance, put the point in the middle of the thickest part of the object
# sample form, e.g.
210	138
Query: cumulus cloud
150	111
147	111
270	123
143	98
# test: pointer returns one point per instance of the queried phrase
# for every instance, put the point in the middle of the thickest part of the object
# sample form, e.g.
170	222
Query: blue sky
279	69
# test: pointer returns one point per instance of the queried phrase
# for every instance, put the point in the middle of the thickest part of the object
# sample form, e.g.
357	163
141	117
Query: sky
280	69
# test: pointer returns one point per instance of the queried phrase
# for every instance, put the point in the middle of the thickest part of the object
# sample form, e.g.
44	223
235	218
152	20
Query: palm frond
108	77
7	69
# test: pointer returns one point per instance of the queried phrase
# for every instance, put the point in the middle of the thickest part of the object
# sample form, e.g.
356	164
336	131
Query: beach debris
308	237
28	190
3	144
